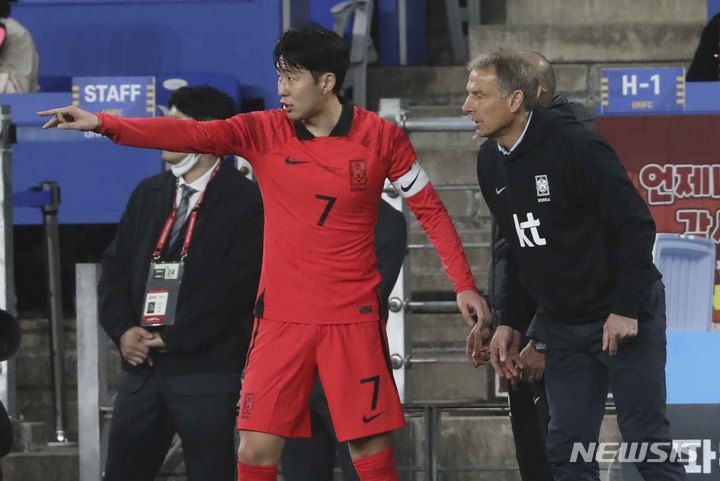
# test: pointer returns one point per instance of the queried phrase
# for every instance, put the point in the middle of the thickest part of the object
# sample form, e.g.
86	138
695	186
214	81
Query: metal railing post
91	369
57	348
7	275
361	11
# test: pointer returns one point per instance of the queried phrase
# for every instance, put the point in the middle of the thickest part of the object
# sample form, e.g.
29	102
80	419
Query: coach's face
489	110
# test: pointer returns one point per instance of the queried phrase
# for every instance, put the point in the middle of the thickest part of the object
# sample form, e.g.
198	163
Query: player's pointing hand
70	118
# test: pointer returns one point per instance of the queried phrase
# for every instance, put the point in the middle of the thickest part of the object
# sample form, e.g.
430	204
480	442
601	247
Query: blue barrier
700	98
689	371
122	38
713	8
31	198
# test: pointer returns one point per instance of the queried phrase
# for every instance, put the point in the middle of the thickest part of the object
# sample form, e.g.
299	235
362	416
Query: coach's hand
71	118
477	348
533	363
617	330
133	347
474	309
505	352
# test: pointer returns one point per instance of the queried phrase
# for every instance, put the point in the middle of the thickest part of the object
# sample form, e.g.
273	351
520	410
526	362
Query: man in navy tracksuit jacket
582	238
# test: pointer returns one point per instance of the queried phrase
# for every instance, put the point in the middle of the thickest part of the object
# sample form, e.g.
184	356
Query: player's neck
325	119
512	132
204	164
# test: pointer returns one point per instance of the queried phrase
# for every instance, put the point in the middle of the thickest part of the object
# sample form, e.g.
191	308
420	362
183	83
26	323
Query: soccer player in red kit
321	165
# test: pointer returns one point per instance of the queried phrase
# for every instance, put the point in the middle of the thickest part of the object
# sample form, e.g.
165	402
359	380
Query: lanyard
190	228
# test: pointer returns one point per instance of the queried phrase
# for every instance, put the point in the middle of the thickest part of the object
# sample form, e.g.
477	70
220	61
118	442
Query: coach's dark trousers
529	419
148	411
578	375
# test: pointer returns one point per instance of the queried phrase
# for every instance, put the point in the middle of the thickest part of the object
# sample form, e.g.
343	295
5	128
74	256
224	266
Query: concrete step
427	272
33	376
431	84
29	437
50	464
438	331
489	436
492	446
466	208
428	143
593	12
592	43
451	377
450	165
440	91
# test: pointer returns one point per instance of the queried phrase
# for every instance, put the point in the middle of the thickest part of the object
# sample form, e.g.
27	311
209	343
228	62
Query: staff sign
121	96
642	90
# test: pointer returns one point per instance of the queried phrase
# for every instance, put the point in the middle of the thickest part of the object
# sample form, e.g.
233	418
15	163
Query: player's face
485	105
300	94
174	157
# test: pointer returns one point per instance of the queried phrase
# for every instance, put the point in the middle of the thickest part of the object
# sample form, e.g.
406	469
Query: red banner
674	161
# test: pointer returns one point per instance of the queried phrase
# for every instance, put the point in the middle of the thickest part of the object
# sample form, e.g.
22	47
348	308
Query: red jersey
321	197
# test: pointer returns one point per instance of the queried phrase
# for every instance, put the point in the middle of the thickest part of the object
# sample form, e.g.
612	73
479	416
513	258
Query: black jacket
518	305
577	110
704	66
390	249
214	315
579	231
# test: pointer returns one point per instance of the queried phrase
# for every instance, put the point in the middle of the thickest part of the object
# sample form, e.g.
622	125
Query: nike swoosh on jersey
498	191
295	162
371	418
405	188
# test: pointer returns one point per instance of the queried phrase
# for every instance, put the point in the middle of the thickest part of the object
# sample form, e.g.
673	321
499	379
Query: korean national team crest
247	406
542	187
358	175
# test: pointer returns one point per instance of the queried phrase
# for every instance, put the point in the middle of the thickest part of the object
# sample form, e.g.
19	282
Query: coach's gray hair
513	73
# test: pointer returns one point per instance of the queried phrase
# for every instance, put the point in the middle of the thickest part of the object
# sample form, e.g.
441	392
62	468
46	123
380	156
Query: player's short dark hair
313	48
203	103
513	73
5	8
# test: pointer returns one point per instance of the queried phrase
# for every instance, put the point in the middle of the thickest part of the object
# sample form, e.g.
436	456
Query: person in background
704	66
19	59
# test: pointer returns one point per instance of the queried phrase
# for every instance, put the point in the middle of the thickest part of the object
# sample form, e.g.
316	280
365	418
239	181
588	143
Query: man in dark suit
183	377
313	459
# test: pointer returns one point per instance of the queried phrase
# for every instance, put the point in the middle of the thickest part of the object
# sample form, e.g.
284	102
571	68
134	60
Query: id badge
161	294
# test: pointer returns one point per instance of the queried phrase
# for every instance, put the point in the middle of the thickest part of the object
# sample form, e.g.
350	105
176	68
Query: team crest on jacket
358	175
542	187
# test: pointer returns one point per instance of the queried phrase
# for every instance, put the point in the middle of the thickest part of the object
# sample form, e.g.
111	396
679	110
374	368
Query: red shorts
353	363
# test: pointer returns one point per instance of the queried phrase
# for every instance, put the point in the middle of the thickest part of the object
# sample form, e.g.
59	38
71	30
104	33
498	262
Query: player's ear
328	82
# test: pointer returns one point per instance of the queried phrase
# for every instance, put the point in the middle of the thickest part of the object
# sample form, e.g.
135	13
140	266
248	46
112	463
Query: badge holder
161	294
164	279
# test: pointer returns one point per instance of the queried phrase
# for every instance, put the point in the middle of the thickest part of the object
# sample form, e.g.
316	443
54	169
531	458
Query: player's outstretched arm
435	221
70	118
217	137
